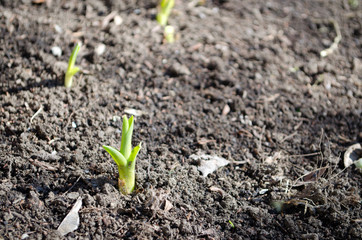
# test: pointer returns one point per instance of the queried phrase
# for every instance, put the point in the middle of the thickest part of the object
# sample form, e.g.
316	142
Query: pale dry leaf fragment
239	162
117	20
203	141
134	112
168	206
352	155
225	110
71	221
217	189
273	159
209	163
24	236
36	114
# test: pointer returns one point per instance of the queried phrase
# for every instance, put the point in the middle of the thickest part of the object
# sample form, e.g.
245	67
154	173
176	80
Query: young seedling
72	70
164	11
125	158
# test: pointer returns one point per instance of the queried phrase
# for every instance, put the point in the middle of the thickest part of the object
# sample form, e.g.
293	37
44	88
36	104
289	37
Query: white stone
100	49
56	51
117	20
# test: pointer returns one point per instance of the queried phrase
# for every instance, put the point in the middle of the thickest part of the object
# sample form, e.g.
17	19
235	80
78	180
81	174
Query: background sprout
169	33
125	158
71	68
164	11
353	3
231	224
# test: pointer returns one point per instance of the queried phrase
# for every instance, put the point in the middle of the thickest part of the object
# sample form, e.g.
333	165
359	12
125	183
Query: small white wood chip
71	221
168	206
134	112
209	163
217	189
263	191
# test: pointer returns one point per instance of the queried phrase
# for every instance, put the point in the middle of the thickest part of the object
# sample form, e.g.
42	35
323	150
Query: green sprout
72	70
353	3
164	11
125	158
231	224
169	33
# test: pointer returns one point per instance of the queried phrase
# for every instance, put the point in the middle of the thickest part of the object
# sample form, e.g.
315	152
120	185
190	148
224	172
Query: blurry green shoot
125	158
72	70
231	224
164	11
353	3
169	34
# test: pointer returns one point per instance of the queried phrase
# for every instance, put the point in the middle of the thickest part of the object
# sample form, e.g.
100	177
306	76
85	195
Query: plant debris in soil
243	81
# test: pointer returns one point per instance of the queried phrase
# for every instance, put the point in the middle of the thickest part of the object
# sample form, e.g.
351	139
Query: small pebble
56	51
100	49
58	29
24	236
117	20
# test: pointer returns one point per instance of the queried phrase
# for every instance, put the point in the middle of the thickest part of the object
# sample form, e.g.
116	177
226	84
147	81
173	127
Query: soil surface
244	81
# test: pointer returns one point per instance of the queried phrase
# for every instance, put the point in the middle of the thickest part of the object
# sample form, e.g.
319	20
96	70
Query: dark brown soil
243	81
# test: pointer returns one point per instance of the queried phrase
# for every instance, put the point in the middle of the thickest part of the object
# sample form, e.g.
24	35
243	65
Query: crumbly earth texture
244	81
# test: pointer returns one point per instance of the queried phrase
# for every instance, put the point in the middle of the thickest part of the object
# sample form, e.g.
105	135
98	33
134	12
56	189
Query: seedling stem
72	70
125	158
